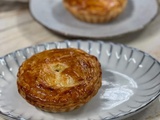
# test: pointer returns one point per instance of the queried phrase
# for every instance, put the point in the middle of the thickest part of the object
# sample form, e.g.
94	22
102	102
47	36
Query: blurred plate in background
53	15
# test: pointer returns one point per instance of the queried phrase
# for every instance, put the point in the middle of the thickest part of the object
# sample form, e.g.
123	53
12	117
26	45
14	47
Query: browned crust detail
81	78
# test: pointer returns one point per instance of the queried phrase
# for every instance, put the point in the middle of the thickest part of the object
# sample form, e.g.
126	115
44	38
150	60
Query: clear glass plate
130	82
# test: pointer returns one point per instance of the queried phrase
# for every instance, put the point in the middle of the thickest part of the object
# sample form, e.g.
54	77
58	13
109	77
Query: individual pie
95	11
59	80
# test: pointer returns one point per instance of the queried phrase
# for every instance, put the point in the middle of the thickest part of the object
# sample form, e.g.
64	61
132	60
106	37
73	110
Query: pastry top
98	7
60	76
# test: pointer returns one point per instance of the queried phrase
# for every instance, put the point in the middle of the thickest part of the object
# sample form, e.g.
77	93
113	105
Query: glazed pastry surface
59	80
95	11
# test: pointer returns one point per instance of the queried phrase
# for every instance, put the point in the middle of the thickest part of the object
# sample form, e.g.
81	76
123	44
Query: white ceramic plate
54	16
131	81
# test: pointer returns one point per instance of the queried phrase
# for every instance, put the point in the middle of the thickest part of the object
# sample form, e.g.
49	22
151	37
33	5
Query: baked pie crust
59	80
95	11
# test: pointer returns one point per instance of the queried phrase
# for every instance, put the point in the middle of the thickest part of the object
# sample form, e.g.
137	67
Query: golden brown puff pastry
95	11
59	80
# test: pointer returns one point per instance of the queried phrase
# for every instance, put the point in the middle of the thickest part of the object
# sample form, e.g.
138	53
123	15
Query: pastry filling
57	78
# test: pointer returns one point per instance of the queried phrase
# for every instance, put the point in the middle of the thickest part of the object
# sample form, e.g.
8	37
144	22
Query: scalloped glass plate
54	16
130	82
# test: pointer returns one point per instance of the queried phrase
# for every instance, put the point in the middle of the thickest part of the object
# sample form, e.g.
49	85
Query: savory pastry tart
59	80
95	11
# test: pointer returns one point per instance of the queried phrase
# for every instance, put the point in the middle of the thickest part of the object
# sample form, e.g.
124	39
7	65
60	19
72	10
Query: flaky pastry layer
59	80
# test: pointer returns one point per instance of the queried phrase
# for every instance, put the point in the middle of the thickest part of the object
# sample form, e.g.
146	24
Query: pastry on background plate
59	80
95	11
